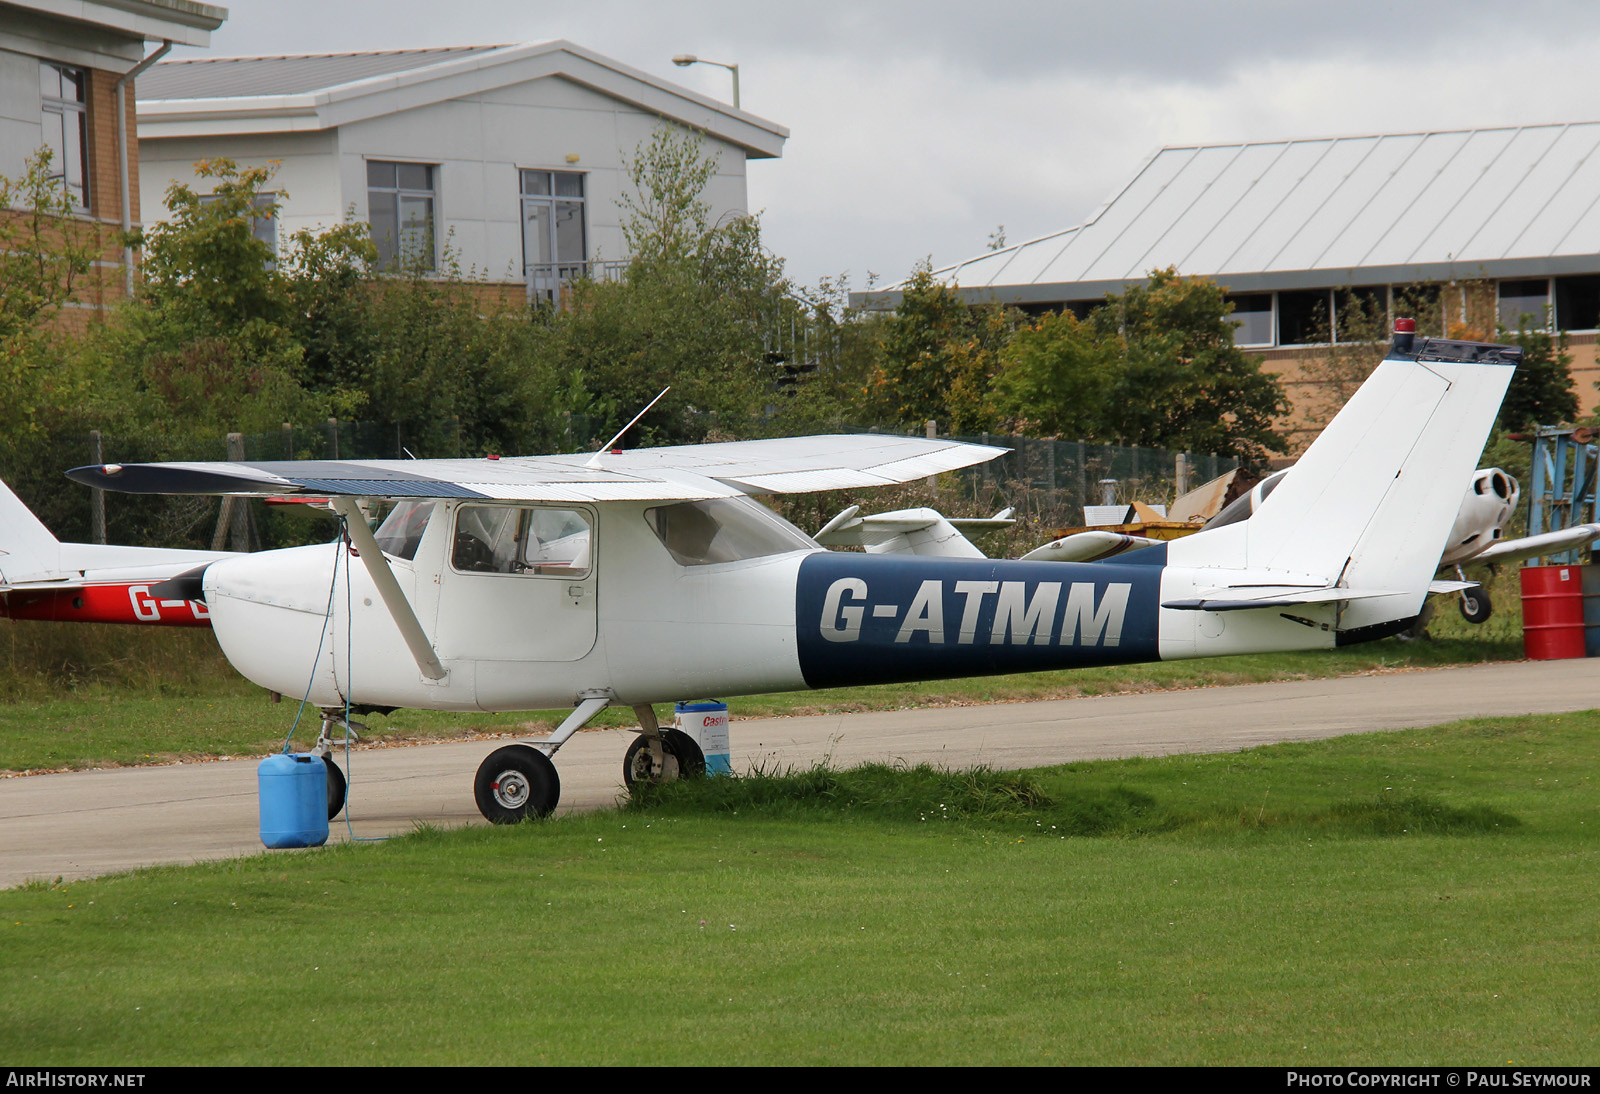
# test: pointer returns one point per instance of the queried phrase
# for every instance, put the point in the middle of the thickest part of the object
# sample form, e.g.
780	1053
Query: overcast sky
918	128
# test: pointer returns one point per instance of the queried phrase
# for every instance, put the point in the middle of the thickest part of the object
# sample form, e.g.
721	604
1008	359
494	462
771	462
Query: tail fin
27	549
1371	503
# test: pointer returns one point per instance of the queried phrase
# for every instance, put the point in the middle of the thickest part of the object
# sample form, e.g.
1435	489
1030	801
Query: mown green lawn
1419	897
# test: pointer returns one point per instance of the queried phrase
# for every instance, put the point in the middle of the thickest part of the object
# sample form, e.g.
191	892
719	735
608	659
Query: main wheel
683	756
691	760
516	782
1475	606
338	789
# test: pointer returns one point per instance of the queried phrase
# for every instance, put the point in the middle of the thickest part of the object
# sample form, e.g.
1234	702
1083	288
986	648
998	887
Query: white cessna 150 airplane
651	575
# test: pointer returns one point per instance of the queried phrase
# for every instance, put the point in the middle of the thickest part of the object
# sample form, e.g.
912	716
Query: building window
1524	298
1361	314
1253	314
1303	318
264	226
1422	302
400	208
62	93
1578	303
554	244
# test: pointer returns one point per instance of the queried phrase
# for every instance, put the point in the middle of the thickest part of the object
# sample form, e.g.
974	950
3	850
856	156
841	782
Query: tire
515	783
691	761
677	744
1475	606
338	788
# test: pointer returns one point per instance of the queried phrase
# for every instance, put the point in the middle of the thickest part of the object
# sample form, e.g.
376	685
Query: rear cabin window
700	533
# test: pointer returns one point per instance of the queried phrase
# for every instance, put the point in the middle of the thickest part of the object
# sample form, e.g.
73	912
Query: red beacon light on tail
1405	335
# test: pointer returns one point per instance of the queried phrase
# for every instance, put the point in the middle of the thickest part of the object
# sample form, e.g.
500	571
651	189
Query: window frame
270	218
73	114
1565	282
399	261
1545	315
1272	319
526	570
551	200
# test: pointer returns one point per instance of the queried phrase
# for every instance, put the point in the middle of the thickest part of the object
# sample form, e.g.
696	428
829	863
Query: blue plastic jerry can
294	800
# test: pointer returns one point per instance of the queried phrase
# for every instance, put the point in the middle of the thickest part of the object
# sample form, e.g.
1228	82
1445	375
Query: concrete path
95	822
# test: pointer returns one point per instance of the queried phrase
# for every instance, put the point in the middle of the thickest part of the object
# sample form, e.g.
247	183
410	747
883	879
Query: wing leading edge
682	472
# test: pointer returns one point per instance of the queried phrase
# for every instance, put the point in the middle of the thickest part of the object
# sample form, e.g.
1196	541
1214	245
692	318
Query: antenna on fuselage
594	461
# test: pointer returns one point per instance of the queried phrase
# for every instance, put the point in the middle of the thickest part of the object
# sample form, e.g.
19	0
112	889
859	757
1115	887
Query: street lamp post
684	60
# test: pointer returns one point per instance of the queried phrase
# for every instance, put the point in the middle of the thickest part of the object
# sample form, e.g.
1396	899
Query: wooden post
233	521
97	497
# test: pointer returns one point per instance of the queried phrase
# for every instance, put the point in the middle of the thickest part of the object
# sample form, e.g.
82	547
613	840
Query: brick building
61	63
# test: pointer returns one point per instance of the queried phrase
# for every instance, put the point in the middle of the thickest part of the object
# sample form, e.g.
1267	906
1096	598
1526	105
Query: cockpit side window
505	539
700	533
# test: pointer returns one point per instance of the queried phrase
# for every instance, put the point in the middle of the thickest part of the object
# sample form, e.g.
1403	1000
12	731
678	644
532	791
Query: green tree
938	357
1358	339
696	310
46	248
1183	384
1541	389
47	254
1057	377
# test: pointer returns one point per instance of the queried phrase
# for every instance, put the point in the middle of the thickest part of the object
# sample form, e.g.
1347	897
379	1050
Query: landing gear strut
681	758
519	781
338	787
658	755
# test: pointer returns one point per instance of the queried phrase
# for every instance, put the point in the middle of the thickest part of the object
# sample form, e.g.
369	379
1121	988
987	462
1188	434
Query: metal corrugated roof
1509	202
232	77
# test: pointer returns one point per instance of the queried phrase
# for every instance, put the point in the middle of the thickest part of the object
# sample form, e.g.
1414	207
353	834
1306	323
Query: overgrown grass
86	696
923	793
1421	897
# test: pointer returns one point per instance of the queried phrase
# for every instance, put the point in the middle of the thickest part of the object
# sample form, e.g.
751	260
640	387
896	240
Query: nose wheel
1475	606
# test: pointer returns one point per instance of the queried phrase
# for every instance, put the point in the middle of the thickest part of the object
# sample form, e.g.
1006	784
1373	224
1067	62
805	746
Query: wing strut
388	588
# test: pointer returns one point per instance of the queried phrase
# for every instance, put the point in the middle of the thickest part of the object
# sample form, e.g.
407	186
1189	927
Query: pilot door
518	585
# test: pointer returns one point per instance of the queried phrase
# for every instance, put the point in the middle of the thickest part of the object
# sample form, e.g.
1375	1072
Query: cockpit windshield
401	531
699	533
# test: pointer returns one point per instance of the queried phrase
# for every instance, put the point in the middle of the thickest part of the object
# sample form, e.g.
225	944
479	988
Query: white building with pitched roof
1501	222
511	157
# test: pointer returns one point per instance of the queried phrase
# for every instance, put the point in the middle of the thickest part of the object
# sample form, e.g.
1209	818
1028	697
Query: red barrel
1552	612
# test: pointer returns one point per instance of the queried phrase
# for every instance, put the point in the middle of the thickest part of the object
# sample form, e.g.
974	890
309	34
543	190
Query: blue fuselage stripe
876	619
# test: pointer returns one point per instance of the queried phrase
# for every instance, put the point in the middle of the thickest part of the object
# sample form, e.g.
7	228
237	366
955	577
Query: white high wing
649	576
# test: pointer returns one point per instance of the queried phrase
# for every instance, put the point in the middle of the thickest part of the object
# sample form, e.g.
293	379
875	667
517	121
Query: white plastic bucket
707	724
